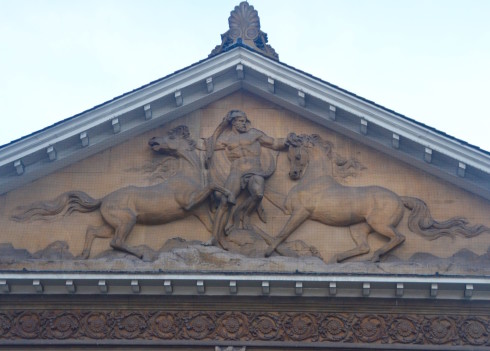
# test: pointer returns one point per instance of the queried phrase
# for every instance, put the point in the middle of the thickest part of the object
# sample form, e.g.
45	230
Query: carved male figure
242	147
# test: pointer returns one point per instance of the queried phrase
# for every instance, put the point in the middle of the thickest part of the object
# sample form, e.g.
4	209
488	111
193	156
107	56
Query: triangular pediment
131	162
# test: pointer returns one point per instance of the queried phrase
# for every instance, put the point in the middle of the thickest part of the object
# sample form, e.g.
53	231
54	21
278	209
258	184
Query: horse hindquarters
385	214
104	231
359	233
370	209
383	208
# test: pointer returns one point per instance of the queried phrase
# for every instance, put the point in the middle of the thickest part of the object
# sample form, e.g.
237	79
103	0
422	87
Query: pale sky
428	60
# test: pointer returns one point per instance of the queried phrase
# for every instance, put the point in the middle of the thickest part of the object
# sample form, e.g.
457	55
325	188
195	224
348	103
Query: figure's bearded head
239	120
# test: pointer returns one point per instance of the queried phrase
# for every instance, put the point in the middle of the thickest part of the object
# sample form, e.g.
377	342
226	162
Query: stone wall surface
134	163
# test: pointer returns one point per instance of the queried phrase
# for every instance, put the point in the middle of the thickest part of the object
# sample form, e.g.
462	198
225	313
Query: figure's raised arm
203	144
272	143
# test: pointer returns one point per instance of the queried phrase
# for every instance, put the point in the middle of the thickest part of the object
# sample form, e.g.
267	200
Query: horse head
297	155
299	149
176	141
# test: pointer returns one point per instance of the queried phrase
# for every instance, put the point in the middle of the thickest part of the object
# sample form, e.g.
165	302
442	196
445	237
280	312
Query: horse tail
64	204
421	222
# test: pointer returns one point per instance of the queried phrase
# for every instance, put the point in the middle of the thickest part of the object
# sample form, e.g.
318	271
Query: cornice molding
251	284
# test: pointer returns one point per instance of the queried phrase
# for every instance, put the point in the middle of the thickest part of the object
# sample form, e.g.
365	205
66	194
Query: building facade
241	203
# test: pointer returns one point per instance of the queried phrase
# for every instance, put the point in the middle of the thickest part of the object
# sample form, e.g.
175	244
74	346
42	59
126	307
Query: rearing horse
363	209
165	202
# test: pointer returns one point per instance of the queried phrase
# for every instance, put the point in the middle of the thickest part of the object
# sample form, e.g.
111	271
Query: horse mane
309	140
182	132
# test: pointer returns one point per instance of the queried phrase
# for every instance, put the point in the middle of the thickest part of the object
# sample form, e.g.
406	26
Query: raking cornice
198	85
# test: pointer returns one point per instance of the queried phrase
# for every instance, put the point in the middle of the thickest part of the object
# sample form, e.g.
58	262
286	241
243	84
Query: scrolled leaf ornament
369	328
334	328
474	331
97	325
199	326
264	327
165	325
28	325
5	325
130	326
405	330
63	326
232	326
440	330
300	327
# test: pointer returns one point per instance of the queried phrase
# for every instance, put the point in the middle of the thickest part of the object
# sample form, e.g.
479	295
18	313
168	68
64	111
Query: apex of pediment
244	24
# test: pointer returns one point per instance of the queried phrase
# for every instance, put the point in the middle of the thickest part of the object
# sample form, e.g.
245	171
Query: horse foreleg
104	231
202	213
296	219
220	219
359	233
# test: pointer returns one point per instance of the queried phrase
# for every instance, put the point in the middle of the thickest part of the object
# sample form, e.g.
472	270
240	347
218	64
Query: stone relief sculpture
123	208
237	162
364	210
242	146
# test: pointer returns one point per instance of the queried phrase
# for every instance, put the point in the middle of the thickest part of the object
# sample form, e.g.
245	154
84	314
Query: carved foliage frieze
245	326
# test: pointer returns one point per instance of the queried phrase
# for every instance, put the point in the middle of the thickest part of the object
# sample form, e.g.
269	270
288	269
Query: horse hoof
221	244
210	242
82	256
269	252
231	199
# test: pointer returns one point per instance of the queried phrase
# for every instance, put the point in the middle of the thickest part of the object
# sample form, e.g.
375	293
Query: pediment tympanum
244	185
